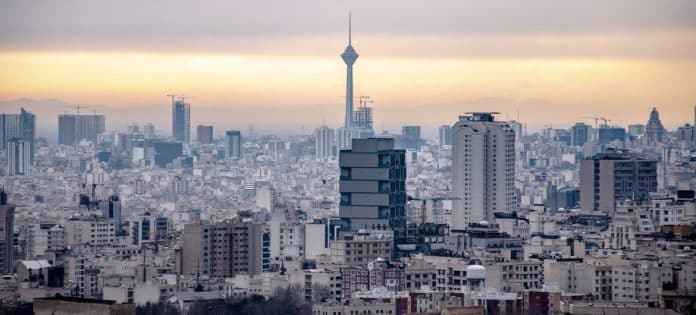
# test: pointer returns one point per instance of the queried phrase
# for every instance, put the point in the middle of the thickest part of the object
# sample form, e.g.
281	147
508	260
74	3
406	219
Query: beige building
571	277
360	249
450	272
515	276
92	230
639	282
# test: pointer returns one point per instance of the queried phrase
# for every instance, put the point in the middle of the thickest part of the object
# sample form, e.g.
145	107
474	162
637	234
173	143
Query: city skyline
455	58
482	157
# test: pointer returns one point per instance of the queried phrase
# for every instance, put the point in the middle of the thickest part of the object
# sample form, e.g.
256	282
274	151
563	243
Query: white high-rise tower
349	56
483	169
324	142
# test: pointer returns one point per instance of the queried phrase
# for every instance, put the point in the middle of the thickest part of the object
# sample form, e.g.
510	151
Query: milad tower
349	56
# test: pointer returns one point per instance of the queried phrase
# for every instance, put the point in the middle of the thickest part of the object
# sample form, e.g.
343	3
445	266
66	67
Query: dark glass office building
373	186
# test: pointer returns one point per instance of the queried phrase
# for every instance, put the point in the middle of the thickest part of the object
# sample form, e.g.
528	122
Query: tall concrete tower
349	56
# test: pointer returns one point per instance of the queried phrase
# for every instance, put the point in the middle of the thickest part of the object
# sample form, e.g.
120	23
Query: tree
321	293
284	301
161	308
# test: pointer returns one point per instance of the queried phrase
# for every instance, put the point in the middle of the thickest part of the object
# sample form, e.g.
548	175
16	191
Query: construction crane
597	119
363	100
78	107
173	96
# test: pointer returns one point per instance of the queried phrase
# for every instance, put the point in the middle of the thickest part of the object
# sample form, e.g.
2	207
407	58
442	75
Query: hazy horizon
277	66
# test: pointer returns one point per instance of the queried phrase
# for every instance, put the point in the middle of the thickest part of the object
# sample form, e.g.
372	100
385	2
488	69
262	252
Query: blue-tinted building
606	135
166	152
233	144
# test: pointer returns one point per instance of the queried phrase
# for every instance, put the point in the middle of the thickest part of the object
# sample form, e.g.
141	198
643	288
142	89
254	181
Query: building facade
580	134
6	234
233	144
222	249
324	142
204	134
373	185
654	130
19	126
483	166
445	136
18	157
181	121
615	175
74	128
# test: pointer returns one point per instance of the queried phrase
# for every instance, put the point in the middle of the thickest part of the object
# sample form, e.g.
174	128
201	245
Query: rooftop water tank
476	272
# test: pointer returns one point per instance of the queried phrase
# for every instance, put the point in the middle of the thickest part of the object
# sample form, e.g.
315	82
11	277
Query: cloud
308	27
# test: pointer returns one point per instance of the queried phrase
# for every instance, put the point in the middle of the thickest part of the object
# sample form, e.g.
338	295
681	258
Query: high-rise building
233	144
607	135
373	185
344	138
654	130
19	126
74	128
580	134
687	134
445	136
18	157
636	130
111	209
411	137
149	131
483	166
6	234
9	128
147	228
204	134
324	142
134	129
166	152
349	56
615	175
223	249
362	121
181	120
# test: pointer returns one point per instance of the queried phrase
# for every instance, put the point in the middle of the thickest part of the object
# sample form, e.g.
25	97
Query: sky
276	64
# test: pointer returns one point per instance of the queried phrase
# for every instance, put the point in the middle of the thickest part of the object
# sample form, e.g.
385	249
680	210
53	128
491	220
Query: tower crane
363	100
173	96
78	107
597	119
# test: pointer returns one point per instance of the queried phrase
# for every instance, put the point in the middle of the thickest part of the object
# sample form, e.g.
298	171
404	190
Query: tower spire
349	27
